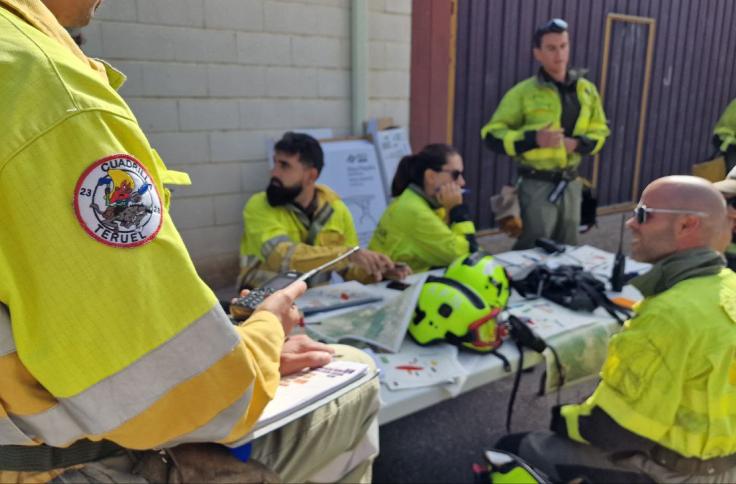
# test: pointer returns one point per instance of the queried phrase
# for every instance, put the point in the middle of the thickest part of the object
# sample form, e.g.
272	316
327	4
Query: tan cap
727	186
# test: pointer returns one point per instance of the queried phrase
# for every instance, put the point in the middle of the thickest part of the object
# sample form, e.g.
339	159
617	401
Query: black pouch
588	209
569	286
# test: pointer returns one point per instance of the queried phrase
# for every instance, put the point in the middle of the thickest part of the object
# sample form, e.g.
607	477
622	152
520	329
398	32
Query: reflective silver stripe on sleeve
120	397
269	245
12	435
220	426
7	343
286	261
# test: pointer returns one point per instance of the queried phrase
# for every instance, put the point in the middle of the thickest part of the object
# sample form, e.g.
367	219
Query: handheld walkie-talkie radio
242	307
619	262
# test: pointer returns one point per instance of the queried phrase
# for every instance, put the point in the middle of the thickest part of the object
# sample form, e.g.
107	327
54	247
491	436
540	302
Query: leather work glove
511	226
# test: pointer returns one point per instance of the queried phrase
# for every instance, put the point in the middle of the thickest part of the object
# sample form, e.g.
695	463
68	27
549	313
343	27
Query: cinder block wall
211	80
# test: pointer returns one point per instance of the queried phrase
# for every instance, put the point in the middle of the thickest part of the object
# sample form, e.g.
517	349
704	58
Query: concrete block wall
210	81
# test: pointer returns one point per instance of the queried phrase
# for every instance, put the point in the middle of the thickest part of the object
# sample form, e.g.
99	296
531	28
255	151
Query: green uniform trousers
557	221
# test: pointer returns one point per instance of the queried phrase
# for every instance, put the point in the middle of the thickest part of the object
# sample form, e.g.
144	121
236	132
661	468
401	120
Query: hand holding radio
281	304
284	288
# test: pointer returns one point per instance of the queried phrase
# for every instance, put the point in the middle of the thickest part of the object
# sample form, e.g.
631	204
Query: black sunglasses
455	174
641	211
731	202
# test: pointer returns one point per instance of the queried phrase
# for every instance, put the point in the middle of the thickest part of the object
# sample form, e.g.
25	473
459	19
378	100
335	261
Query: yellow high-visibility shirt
411	231
532	105
106	331
670	375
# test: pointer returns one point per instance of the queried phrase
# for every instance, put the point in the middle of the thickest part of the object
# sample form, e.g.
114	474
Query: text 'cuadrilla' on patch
117	203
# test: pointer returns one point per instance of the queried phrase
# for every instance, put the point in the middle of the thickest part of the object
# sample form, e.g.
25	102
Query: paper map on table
517	262
594	260
417	366
599	261
548	319
337	296
382	326
581	355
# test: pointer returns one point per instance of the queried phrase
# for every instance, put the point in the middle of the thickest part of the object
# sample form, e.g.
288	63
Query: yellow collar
36	14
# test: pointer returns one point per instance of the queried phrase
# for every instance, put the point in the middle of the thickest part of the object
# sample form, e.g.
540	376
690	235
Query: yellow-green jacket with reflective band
283	238
726	127
96	341
411	231
670	376
533	105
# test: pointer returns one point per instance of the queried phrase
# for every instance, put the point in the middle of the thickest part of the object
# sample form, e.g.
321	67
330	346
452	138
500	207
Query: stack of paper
300	389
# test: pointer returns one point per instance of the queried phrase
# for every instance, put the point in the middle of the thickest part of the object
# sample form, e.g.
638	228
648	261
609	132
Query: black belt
691	465
554	176
45	458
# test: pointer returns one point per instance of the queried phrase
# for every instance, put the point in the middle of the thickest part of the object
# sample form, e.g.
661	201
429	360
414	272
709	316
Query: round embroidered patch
117	203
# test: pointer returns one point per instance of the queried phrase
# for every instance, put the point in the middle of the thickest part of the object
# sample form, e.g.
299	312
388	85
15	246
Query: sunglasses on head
556	25
641	211
455	174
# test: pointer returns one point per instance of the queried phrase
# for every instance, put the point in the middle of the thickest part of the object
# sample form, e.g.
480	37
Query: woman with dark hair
427	224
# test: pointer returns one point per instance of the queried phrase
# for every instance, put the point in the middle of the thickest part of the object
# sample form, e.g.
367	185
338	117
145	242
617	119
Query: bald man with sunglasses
664	406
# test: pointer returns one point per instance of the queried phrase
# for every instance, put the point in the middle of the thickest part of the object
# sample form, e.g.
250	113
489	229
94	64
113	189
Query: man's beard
277	194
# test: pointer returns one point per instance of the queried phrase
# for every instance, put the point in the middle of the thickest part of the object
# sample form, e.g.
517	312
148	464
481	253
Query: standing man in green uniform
547	123
663	409
724	135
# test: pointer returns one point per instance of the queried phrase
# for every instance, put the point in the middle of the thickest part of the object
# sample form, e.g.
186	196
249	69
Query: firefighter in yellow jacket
664	407
427	224
298	225
547	123
724	135
108	338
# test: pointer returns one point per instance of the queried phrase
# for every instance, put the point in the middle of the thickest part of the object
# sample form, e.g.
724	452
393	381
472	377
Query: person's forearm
527	143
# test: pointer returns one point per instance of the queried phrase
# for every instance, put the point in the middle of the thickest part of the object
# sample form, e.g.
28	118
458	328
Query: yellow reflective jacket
101	336
670	376
283	238
725	128
534	104
413	232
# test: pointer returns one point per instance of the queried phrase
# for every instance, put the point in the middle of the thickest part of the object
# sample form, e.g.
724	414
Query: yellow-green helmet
484	274
450	311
